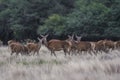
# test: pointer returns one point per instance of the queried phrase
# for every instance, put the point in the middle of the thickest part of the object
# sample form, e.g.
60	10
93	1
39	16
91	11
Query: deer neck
39	43
46	43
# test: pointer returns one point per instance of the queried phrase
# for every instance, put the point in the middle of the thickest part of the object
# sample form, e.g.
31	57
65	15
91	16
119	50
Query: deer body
57	45
34	47
83	46
16	48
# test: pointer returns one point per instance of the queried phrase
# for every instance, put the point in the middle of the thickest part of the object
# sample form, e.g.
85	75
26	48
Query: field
47	67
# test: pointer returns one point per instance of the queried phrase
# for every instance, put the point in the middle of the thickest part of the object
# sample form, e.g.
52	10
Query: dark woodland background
22	19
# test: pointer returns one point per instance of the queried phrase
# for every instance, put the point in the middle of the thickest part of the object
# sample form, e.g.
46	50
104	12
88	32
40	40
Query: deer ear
76	36
47	35
72	35
38	38
41	35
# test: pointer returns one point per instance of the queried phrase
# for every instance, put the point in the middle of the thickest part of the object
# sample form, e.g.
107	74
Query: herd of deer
69	46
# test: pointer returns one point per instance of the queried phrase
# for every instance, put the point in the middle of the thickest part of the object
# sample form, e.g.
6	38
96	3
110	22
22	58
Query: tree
54	25
88	17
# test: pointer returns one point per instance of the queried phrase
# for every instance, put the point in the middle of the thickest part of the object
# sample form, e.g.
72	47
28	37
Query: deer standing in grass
57	45
104	46
117	45
11	41
34	47
17	47
83	45
109	45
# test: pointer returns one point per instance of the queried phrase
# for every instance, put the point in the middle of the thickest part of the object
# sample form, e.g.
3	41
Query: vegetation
46	67
20	19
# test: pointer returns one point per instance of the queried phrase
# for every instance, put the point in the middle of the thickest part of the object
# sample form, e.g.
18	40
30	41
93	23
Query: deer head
71	38
44	38
40	40
78	37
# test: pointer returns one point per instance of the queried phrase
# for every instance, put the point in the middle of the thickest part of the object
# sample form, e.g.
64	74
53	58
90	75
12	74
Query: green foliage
53	25
27	18
88	18
112	32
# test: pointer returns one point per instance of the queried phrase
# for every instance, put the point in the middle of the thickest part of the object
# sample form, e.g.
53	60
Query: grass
47	67
39	62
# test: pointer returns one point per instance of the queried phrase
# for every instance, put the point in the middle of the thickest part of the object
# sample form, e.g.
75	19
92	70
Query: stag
57	45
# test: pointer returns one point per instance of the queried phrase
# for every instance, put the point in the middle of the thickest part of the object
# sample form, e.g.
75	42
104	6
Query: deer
57	45
18	48
104	46
34	47
11	41
83	45
109	45
117	44
100	46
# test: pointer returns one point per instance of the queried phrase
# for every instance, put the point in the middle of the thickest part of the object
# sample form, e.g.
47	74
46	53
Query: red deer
25	50
83	45
104	45
57	45
11	41
18	48
117	44
73	42
34	47
109	45
100	46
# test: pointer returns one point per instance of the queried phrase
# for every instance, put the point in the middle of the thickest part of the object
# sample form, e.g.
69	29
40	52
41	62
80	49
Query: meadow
46	67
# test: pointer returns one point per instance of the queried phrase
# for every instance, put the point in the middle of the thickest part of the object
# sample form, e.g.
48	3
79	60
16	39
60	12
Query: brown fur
83	46
104	45
17	48
109	44
34	47
11	41
57	45
99	46
117	44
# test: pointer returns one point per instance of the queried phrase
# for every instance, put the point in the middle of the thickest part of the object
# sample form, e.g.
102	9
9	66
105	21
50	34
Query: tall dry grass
47	67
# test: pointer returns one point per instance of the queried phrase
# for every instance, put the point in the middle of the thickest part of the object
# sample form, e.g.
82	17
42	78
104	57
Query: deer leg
69	50
34	53
72	51
12	53
51	52
69	53
54	54
17	53
37	52
65	52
